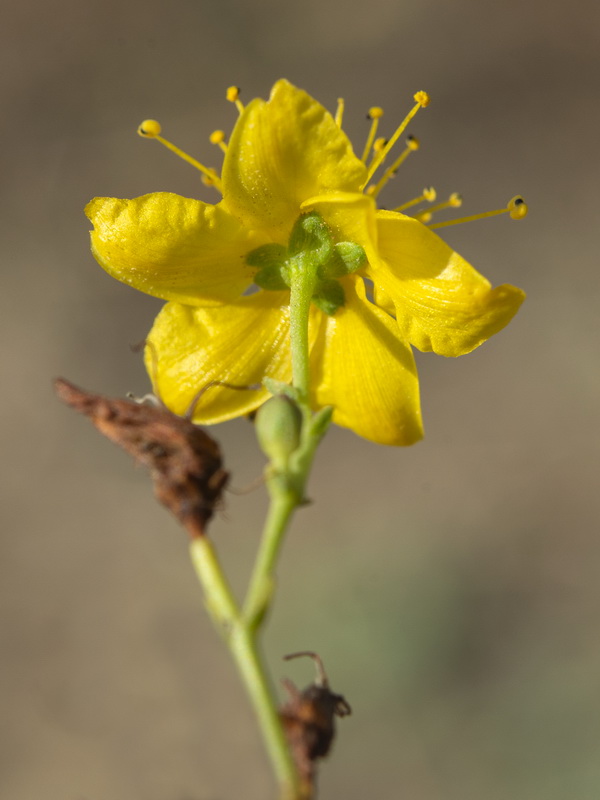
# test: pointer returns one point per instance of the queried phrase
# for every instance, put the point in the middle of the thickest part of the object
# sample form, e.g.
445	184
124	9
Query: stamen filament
517	208
150	129
422	99
454	201
428	195
375	114
411	145
339	114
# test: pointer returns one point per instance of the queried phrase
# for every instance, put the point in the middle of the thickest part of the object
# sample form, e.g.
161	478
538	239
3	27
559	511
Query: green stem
300	296
262	582
240	638
240	628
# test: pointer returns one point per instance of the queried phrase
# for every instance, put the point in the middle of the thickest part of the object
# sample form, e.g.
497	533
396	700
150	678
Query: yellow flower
288	157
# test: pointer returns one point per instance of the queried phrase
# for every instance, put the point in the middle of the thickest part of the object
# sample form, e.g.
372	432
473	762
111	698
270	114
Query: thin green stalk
260	588
240	638
300	297
240	628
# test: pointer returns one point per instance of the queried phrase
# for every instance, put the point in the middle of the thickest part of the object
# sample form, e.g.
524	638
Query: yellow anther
412	144
429	194
379	144
422	100
339	114
218	137
375	114
233	95
149	128
454	201
211	179
515	208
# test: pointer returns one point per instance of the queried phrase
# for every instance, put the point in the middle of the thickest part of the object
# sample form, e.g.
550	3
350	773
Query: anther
422	100
515	208
233	95
429	194
412	142
149	128
375	114
339	114
218	137
211	179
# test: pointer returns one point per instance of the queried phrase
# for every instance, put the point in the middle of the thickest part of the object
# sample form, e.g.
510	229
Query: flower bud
278	428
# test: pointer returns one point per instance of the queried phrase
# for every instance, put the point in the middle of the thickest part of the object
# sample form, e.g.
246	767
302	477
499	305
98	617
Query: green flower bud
278	428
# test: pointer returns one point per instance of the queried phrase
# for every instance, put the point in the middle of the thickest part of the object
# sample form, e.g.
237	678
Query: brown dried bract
309	721
184	461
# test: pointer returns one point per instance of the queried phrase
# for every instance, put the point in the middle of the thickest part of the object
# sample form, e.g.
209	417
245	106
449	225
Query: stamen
422	101
218	137
516	209
150	129
375	114
212	179
233	95
378	146
339	114
454	201
429	194
412	144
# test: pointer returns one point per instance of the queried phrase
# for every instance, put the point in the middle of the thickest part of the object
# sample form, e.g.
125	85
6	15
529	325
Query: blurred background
451	588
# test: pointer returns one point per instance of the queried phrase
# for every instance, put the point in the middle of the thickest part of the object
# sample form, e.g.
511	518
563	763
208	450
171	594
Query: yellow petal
442	303
240	344
171	246
364	369
281	152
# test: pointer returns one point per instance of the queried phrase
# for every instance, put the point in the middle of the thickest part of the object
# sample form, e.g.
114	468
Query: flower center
313	255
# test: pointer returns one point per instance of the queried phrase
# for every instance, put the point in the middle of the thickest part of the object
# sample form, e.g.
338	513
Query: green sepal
329	297
279	387
268	255
272	278
352	255
346	258
321	421
311	240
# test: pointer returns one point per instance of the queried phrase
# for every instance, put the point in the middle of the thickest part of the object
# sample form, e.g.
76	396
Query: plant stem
240	638
300	297
240	628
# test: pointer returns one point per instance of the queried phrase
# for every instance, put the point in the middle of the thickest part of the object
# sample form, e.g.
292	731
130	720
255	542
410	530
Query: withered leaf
184	461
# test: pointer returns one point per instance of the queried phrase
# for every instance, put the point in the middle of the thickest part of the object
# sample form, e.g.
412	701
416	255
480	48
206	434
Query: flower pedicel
299	207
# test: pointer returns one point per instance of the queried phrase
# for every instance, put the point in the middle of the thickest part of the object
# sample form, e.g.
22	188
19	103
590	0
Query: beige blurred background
452	588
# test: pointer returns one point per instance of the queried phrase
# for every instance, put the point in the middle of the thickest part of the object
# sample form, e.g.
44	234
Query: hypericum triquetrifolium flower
291	184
